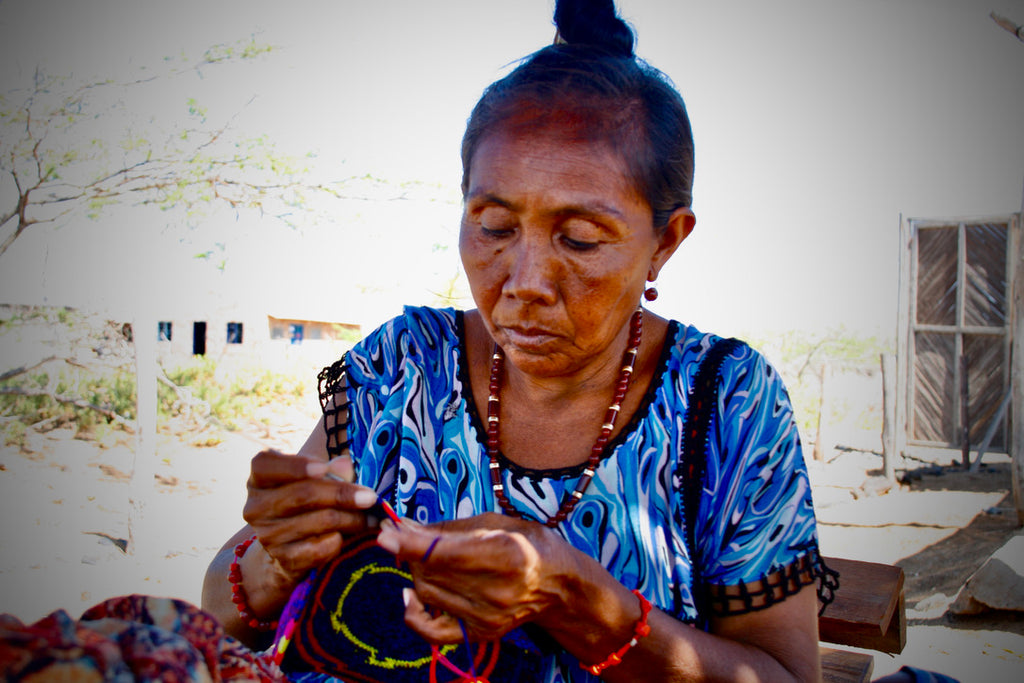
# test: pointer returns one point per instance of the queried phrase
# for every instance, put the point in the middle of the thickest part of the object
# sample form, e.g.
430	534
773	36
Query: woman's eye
495	232
579	245
580	235
496	222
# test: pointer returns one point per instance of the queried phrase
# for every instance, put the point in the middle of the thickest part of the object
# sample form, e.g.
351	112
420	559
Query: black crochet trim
700	407
721	600
828	584
332	385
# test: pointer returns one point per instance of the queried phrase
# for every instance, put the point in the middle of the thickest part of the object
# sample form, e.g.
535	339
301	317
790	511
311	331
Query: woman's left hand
490	571
494	573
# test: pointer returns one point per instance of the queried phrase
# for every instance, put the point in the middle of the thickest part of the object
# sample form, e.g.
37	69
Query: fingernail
406	595
316	469
364	498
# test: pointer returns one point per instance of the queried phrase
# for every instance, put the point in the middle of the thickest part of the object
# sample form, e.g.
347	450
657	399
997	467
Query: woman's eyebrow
485	197
586	209
591	209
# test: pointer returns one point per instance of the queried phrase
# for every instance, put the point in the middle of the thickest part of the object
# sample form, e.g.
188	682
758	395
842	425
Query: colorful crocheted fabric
126	639
350	626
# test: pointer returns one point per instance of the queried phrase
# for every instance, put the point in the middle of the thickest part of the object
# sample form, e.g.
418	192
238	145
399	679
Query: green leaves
75	147
195	110
243	49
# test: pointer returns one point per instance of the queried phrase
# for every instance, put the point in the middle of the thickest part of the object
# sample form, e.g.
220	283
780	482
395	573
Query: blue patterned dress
416	437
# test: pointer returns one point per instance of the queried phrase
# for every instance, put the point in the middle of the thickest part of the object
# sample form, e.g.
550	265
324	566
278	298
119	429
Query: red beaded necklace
569	501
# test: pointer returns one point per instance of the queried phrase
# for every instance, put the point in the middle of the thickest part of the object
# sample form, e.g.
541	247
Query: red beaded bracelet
238	592
639	631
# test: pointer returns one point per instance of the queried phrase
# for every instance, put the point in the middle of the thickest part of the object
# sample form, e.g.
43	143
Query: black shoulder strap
332	383
700	408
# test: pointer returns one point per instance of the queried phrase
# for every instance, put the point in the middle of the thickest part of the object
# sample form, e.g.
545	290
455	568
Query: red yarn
466	676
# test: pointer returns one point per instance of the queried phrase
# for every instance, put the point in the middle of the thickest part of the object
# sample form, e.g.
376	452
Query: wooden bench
868	613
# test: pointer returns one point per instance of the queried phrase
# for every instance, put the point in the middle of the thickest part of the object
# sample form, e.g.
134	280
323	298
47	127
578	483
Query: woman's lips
530	337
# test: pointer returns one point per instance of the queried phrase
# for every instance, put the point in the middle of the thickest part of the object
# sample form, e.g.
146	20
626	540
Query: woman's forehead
548	157
570	118
555	169
550	148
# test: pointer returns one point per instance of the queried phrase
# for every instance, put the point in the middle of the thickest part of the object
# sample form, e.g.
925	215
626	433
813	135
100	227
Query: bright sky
817	124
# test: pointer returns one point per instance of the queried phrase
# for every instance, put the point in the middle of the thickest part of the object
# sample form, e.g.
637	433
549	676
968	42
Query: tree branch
198	409
23	223
25	368
63	164
70	400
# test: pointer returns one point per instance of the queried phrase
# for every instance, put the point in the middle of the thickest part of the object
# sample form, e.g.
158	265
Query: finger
409	541
453	572
296	559
452	554
436	576
437	627
436	616
280	518
341	468
272	468
300	527
307	494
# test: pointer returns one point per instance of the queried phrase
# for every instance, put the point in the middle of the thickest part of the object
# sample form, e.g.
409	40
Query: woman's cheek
483	266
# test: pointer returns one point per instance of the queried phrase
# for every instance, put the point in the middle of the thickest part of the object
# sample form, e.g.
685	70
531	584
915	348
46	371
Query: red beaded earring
651	293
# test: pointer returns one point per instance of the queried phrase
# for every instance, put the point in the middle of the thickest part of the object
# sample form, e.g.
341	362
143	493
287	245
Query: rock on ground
998	584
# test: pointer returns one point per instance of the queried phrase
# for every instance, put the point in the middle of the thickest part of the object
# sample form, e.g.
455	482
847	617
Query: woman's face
557	246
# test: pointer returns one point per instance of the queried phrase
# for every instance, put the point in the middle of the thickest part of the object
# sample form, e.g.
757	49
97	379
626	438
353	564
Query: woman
533	448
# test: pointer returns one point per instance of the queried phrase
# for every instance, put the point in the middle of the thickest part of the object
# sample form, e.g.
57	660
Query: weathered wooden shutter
958	321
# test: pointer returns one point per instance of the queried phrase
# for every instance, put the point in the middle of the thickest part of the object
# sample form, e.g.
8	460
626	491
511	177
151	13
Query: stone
932	607
998	584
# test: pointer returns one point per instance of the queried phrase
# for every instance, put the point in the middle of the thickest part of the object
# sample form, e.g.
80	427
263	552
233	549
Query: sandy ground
64	506
940	529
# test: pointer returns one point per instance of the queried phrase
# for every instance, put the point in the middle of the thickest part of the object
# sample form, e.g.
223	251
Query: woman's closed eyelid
496	228
497	221
580	245
582	236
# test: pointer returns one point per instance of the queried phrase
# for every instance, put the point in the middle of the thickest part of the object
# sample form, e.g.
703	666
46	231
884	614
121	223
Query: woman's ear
680	225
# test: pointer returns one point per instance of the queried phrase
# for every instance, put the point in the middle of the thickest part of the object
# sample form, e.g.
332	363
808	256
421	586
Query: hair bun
593	23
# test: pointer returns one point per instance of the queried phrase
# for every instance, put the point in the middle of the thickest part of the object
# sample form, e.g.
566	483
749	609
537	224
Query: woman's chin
537	361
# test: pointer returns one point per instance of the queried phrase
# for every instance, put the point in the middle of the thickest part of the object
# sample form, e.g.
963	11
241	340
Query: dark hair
591	82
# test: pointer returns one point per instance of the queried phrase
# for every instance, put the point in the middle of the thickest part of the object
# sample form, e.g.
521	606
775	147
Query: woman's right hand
301	510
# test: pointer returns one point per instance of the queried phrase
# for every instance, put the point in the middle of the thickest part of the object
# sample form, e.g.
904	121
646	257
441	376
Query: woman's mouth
529	337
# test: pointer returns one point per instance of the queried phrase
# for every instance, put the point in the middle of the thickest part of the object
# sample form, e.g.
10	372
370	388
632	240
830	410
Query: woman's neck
551	422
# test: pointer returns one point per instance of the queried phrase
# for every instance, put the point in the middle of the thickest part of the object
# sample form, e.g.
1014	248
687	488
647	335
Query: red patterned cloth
126	639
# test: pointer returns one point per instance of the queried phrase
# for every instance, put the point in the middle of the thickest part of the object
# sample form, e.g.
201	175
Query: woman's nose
533	273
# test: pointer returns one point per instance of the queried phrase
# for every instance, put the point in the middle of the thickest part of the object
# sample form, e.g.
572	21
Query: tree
70	148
